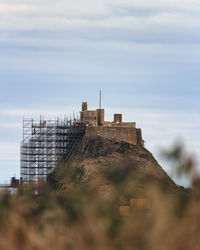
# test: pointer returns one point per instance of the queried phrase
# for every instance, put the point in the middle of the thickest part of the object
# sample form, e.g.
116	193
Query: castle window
95	118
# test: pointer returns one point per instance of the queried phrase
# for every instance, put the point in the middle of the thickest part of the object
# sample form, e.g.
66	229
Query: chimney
84	106
117	118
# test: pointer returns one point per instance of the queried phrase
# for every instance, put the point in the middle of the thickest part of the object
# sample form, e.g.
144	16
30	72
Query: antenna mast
100	100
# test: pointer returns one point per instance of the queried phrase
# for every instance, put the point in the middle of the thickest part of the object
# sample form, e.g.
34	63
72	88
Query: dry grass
79	217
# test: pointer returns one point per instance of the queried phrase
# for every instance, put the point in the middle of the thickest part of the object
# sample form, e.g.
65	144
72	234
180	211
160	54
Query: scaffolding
45	143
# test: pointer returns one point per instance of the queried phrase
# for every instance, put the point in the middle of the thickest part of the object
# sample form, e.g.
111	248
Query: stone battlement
126	134
117	129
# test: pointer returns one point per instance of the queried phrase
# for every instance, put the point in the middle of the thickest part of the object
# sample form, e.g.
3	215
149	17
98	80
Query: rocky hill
96	157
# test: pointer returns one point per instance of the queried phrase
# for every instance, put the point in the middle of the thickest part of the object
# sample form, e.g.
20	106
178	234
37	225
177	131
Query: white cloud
9	151
26	113
107	14
10	9
9	125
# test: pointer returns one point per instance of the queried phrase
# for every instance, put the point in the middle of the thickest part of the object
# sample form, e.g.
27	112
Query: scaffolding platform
45	143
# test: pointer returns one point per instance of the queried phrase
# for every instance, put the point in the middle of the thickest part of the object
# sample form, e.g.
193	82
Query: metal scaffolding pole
45	143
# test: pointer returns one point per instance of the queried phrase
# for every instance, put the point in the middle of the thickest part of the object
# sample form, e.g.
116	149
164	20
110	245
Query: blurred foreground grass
79	217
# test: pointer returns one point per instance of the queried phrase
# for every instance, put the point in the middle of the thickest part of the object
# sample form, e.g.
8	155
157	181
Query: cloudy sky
143	55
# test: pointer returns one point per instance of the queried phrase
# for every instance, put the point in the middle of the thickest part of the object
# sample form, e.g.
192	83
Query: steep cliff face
96	155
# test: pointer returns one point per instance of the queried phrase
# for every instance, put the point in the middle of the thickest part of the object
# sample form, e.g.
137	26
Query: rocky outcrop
95	155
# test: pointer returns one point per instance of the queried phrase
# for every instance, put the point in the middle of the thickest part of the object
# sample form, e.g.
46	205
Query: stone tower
84	106
117	118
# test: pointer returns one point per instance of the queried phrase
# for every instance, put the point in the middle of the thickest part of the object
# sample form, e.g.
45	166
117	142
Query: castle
46	142
117	129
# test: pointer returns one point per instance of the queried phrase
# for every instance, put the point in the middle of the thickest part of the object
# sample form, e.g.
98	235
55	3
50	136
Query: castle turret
100	113
117	118
84	106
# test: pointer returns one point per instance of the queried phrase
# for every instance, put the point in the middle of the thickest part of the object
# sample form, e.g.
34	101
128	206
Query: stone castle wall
127	134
